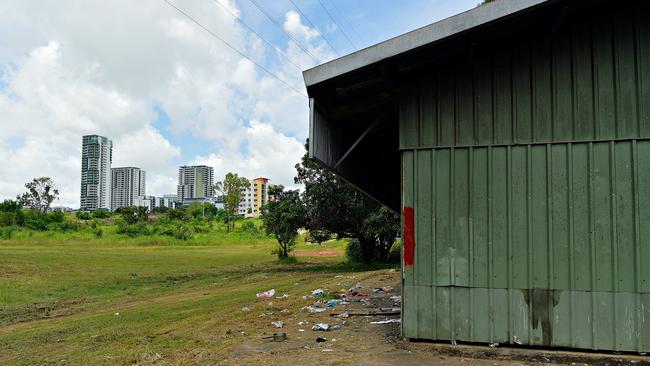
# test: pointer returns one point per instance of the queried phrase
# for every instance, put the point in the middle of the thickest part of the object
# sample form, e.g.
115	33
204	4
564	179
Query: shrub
101	214
182	231
82	215
65	226
8	219
353	251
249	227
133	230
7	232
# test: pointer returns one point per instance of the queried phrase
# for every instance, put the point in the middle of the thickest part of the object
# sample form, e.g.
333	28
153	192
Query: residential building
127	185
194	182
96	158
254	197
152	202
170	197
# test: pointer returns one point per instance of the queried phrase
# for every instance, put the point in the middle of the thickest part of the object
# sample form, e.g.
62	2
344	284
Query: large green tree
282	218
333	206
231	191
40	194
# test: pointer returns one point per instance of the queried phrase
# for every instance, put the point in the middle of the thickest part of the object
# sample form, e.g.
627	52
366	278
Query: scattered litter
284	296
278	324
343	315
304	298
245	308
270	303
335	327
355	287
277	337
387	321
332	303
370	312
318	293
117	314
312	309
321	326
333	339
338	276
516	340
377	290
303	322
453	342
396	298
284	311
327	350
267	313
265	294
321	339
494	344
301	330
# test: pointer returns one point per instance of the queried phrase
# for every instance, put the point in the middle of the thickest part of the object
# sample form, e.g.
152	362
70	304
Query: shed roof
423	36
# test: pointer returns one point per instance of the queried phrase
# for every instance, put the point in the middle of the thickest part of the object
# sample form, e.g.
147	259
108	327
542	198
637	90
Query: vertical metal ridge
569	162
549	217
470	233
596	90
509	234
574	88
490	259
617	81
637	235
418	98
594	95
434	243
416	283
452	254
637	79
470	217
529	228
614	235
592	233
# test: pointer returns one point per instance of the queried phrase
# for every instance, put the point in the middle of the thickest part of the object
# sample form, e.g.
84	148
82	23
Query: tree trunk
367	249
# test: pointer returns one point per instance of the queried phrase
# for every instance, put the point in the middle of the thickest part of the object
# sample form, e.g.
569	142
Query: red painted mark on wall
409	236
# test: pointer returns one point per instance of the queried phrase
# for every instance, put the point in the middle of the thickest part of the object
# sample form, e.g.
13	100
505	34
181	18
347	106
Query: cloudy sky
165	90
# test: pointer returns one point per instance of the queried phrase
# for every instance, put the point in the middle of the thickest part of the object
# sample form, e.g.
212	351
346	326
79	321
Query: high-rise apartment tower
96	158
127	185
194	182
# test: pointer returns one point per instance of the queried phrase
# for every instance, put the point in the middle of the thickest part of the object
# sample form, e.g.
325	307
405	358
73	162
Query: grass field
71	298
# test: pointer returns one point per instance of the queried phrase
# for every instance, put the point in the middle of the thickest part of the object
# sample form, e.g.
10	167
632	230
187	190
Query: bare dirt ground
318	253
359	342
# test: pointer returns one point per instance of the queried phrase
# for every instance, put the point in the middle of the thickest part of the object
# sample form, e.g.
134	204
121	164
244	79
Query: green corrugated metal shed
515	140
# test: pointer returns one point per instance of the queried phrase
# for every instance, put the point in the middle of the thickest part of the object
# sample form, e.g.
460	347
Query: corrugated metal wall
529	175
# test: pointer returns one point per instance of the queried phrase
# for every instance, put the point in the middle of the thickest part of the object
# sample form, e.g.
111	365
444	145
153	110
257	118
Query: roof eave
420	37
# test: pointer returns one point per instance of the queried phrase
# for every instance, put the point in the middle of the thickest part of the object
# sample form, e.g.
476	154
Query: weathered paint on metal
409	232
529	175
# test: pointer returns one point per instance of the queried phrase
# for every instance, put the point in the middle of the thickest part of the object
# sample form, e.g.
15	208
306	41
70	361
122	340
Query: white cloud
293	25
68	69
270	154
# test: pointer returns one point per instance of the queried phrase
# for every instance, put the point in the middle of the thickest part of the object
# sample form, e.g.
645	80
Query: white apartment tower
127	186
194	182
96	158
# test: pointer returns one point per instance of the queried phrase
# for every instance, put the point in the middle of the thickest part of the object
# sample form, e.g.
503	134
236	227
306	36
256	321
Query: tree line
328	208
